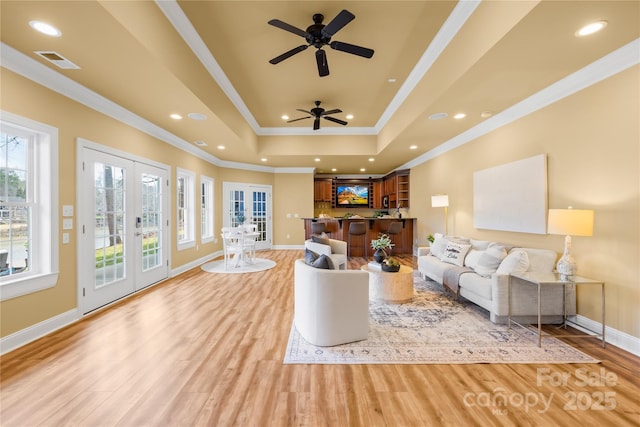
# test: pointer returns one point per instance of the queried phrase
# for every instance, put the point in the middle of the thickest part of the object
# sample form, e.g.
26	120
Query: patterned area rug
435	329
258	264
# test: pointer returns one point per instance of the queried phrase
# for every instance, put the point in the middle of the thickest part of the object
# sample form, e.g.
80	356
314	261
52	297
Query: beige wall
592	142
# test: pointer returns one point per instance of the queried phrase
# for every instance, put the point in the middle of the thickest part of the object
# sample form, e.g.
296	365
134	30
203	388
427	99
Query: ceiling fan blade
288	54
287	27
305	111
316	123
352	48
323	66
342	19
333	119
301	118
336	111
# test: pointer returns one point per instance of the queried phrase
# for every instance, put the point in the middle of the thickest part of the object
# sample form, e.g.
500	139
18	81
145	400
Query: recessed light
588	29
413	147
362	169
460	116
349	116
316	159
221	147
371	159
438	116
175	116
333	169
197	116
201	143
391	80
45	28
486	114
284	117
264	159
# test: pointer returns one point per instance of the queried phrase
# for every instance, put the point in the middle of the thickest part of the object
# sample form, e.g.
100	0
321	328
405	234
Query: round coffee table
396	288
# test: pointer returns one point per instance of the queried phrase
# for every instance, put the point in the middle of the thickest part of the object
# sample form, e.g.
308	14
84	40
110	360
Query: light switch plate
67	210
67	224
65	238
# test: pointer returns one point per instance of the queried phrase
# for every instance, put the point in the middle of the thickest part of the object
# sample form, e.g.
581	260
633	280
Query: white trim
210	210
39	330
605	67
612	336
455	21
44	274
189	207
195	263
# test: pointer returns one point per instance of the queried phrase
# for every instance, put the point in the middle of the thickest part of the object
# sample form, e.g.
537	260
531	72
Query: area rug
435	329
259	264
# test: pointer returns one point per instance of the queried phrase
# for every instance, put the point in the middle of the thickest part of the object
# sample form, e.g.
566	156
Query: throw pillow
318	261
490	260
320	239
439	245
472	258
455	253
516	262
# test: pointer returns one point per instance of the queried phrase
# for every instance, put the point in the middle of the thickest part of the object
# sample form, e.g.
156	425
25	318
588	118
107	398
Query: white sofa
491	291
335	249
331	306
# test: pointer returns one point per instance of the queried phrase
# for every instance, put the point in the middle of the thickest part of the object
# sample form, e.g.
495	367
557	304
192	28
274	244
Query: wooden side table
395	288
554	279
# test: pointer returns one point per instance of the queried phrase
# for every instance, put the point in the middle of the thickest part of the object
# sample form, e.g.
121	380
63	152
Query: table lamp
570	222
442	201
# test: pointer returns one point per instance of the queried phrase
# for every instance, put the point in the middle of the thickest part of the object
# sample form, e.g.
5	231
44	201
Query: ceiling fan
319	35
317	113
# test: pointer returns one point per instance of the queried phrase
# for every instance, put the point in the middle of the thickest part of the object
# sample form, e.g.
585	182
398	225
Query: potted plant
380	244
430	239
390	265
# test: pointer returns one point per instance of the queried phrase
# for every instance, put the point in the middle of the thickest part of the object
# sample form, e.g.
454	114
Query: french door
123	227
248	204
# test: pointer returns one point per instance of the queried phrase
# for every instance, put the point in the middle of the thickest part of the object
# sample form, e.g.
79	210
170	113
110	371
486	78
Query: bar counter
338	228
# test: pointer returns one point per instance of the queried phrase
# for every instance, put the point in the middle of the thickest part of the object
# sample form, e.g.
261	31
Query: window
206	209
186	209
28	206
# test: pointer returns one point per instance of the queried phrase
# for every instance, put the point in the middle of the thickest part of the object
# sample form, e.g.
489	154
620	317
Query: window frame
44	267
188	198
207	220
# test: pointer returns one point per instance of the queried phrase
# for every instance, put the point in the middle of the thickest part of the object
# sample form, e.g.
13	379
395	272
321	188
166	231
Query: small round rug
259	264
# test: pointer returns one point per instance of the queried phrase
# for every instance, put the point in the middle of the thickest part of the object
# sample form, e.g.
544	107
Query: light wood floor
207	349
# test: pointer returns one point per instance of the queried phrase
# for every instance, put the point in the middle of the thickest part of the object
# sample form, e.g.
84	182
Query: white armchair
331	306
336	250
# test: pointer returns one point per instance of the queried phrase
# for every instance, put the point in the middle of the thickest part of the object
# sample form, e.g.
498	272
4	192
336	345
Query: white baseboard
288	247
185	267
39	330
612	336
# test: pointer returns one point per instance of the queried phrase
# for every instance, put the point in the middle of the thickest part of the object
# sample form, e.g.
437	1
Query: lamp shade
570	222
440	201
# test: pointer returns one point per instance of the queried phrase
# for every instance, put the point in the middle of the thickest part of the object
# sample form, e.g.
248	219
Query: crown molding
601	69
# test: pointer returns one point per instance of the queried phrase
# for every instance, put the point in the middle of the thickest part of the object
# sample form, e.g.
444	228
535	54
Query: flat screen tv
352	195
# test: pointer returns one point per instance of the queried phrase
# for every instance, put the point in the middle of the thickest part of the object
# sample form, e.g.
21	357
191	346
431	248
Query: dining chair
231	245
250	235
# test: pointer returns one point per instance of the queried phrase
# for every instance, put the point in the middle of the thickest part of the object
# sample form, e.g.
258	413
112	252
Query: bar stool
319	228
357	229
394	229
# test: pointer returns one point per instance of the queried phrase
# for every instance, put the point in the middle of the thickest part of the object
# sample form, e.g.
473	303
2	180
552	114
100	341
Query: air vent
57	59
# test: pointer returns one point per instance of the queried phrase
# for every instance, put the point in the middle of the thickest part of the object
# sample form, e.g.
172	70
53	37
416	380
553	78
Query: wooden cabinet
322	191
396	188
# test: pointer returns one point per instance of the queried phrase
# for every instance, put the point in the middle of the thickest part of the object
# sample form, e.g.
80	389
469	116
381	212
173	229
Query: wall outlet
65	238
67	210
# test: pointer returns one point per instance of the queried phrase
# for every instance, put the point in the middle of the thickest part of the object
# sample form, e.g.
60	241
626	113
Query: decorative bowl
390	268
